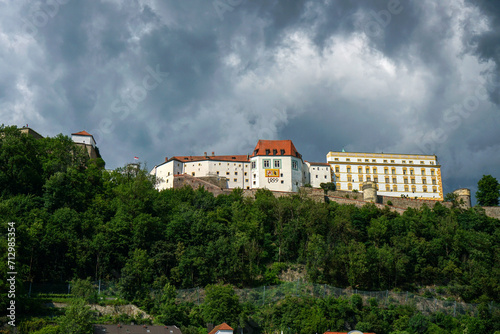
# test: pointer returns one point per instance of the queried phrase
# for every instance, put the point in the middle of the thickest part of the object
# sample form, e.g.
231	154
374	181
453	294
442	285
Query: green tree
328	186
20	166
488	191
221	305
136	276
77	319
84	289
169	312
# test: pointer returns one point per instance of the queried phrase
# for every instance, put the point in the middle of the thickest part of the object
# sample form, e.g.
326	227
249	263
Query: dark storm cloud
381	75
487	44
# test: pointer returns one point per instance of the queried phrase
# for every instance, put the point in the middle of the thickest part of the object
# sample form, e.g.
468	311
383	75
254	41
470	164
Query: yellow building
412	175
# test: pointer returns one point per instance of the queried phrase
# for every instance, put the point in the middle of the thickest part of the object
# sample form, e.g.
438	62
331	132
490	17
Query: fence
270	294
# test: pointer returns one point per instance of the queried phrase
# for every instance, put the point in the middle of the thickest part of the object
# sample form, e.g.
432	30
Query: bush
389	203
84	289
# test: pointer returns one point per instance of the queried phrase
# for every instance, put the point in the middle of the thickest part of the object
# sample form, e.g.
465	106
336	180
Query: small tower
86	140
463	198
370	191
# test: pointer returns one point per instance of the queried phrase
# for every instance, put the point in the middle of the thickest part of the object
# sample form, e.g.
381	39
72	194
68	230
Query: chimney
166	159
213	154
205	154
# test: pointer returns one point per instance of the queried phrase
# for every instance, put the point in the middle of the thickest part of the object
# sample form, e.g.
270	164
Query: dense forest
75	220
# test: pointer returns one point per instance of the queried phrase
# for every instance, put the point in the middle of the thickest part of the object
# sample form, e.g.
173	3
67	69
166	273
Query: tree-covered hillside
76	220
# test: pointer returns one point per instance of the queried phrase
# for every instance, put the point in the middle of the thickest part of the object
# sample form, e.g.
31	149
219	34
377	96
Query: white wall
83	140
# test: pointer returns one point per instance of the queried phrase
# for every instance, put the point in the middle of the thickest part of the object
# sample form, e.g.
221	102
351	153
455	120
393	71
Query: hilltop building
87	142
30	132
396	175
275	165
319	172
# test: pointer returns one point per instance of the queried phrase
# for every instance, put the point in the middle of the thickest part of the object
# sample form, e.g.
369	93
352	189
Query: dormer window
282	152
268	152
275	152
256	151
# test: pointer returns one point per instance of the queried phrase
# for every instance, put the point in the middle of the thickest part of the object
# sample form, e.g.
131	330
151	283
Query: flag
136	158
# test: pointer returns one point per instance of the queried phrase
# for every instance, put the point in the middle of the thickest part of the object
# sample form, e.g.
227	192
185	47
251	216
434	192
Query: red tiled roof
221	327
82	133
235	158
269	147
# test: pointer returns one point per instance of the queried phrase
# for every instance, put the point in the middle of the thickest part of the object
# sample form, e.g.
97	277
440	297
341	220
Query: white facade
395	174
278	173
319	173
165	173
236	172
83	139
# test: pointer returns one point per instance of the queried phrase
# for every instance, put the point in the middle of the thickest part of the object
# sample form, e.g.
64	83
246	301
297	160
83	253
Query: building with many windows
394	174
274	164
319	172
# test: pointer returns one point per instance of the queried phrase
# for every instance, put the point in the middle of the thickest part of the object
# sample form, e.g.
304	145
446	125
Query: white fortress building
395	175
274	165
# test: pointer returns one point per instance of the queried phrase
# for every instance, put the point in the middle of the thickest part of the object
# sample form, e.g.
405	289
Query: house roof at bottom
342	333
221	327
135	329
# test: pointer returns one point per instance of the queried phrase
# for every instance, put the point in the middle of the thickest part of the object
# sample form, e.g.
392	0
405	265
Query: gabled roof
82	133
276	147
221	327
228	158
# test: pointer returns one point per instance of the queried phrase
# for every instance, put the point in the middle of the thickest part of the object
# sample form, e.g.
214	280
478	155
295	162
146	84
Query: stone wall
406	202
361	203
492	211
399	204
182	180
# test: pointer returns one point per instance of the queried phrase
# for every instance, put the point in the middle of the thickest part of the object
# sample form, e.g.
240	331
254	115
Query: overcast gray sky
160	78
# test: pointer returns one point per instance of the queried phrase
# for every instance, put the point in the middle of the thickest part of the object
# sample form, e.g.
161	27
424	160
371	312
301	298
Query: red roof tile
275	147
221	327
82	133
228	158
